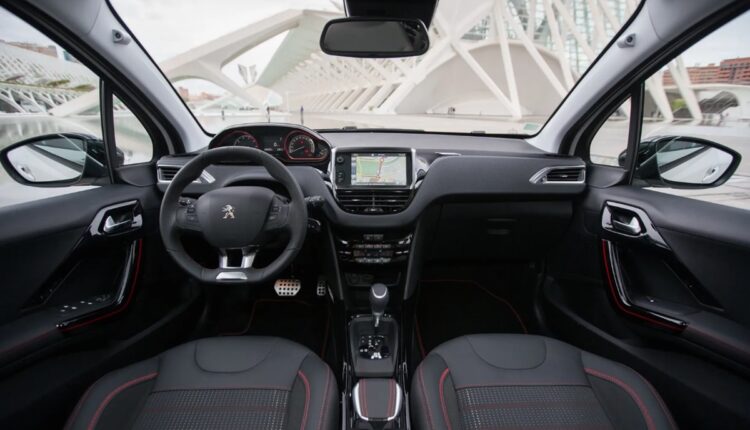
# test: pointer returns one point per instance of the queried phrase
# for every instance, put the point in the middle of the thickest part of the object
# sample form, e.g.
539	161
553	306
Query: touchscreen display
379	169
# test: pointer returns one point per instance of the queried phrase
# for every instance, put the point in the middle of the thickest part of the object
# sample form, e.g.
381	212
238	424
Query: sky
169	27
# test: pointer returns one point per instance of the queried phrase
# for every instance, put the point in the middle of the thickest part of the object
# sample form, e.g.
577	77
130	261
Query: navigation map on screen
379	169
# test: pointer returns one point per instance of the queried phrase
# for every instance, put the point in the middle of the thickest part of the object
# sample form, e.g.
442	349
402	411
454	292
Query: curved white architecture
508	60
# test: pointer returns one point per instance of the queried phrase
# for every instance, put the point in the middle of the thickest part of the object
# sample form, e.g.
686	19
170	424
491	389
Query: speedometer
300	147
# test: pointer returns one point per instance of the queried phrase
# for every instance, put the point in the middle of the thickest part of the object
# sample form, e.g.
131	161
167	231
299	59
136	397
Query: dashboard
289	144
387	180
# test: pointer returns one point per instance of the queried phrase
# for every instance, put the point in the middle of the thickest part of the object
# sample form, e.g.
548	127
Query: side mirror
685	162
374	37
59	159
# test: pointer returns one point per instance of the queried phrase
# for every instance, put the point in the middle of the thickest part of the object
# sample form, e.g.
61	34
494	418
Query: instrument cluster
289	144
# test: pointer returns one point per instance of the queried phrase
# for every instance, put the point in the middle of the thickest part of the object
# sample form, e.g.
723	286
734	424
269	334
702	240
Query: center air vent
560	175
374	202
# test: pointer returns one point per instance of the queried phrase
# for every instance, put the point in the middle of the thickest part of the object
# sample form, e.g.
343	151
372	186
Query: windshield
494	66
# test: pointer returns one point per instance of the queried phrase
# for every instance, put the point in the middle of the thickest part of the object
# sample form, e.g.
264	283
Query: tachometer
300	147
241	138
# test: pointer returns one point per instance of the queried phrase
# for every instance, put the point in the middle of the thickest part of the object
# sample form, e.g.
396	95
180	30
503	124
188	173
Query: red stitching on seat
115	392
629	390
78	407
663	406
307	398
424	398
442	398
325	398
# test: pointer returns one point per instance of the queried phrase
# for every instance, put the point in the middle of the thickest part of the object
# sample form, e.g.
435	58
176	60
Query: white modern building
509	62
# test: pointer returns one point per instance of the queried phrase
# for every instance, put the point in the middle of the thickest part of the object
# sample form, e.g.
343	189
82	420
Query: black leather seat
216	383
522	381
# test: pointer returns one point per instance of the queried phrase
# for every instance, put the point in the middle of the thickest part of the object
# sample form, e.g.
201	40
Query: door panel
694	283
683	322
62	270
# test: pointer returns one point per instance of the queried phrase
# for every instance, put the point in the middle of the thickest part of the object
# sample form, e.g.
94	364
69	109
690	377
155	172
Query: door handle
111	226
630	222
631	227
118	218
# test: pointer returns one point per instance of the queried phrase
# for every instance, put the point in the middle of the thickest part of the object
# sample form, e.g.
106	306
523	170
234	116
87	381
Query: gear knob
378	301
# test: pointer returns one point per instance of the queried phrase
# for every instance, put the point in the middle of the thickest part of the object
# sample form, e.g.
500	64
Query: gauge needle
297	149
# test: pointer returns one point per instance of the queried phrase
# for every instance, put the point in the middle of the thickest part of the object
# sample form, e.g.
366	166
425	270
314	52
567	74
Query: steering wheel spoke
186	218
278	216
243	258
236	265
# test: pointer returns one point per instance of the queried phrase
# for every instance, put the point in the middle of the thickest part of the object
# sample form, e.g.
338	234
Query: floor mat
448	308
296	320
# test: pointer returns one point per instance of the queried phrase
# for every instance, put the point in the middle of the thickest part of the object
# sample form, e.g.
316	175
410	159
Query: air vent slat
167	173
560	175
373	201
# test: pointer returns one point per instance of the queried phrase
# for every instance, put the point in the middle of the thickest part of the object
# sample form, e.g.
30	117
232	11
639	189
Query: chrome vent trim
567	175
166	172
374	201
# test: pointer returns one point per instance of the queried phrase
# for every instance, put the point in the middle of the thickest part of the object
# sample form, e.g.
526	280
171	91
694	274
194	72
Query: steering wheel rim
171	217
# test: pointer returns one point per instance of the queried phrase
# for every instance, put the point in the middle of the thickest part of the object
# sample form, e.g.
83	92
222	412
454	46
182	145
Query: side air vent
375	202
167	173
560	175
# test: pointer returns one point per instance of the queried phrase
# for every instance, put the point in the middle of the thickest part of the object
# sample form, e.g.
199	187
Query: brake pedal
287	287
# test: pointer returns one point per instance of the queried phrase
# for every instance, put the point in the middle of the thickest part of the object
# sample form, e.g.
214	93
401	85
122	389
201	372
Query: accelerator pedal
287	287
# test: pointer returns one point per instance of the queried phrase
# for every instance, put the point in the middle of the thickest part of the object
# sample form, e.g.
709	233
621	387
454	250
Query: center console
373	265
375	375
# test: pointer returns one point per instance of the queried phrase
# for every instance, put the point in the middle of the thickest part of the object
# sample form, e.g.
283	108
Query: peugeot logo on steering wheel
228	211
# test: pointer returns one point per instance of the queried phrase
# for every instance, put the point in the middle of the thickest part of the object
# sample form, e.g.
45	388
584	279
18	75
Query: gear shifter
378	302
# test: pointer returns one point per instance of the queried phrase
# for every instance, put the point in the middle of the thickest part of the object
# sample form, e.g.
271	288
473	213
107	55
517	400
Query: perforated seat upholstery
521	381
216	383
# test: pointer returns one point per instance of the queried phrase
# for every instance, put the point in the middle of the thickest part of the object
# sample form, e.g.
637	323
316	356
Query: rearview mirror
56	159
685	162
374	37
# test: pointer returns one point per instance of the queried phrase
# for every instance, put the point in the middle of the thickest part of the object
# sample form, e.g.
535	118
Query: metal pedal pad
287	287
322	287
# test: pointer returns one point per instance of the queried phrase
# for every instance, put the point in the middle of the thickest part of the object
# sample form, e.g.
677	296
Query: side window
133	142
610	142
50	120
695	138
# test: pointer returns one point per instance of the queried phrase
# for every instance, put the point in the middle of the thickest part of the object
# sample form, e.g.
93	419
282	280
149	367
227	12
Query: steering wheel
232	219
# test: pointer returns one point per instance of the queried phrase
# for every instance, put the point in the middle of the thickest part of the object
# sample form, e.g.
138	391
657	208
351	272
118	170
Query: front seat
493	381
216	383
